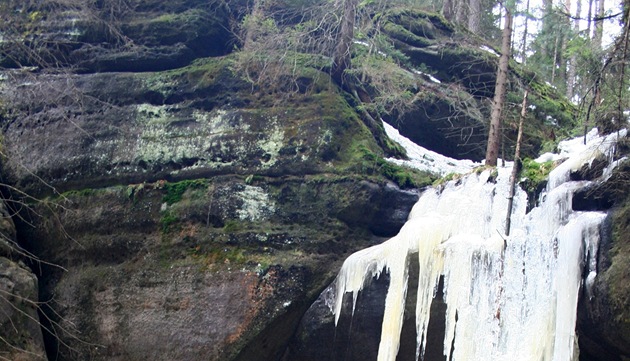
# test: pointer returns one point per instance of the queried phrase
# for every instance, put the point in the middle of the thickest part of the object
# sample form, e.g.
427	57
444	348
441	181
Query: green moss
372	164
416	20
399	32
535	173
35	16
200	74
175	191
447	178
494	174
169	28
168	222
79	193
549	103
616	277
230	255
232	226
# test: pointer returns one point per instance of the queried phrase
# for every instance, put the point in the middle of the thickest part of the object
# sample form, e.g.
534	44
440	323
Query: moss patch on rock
371	164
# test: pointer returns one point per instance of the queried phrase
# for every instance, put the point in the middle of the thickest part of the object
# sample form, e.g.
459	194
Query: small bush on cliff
175	191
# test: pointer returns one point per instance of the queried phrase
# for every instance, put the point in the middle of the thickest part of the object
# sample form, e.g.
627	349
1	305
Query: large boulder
216	268
193	215
198	121
19	326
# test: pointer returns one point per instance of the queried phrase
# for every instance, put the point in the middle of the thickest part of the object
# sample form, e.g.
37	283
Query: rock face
193	122
121	36
19	326
357	335
195	217
603	325
453	100
184	213
198	227
198	269
603	315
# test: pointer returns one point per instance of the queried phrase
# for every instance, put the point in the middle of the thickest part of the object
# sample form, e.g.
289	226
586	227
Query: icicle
512	298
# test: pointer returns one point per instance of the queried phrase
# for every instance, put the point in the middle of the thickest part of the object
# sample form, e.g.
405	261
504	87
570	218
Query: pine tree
599	25
525	34
494	133
572	72
474	16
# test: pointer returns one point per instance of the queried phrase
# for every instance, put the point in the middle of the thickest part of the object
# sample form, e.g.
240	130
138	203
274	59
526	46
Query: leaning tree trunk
342	54
494	134
516	166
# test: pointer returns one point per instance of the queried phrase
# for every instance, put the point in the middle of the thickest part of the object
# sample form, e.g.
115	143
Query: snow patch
489	50
426	160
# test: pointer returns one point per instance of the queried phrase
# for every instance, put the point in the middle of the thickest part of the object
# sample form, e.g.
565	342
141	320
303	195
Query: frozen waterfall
507	297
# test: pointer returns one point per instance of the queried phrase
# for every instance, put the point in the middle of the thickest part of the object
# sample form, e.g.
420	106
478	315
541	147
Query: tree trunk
342	57
516	166
599	26
447	10
554	63
589	26
573	60
524	49
622	73
462	12
547	27
474	16
563	36
494	134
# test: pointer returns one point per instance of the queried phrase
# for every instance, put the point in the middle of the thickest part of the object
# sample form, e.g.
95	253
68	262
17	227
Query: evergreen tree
599	25
494	133
572	72
549	47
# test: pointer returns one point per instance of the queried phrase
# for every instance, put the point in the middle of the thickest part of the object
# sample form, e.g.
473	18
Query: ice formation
424	159
507	297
